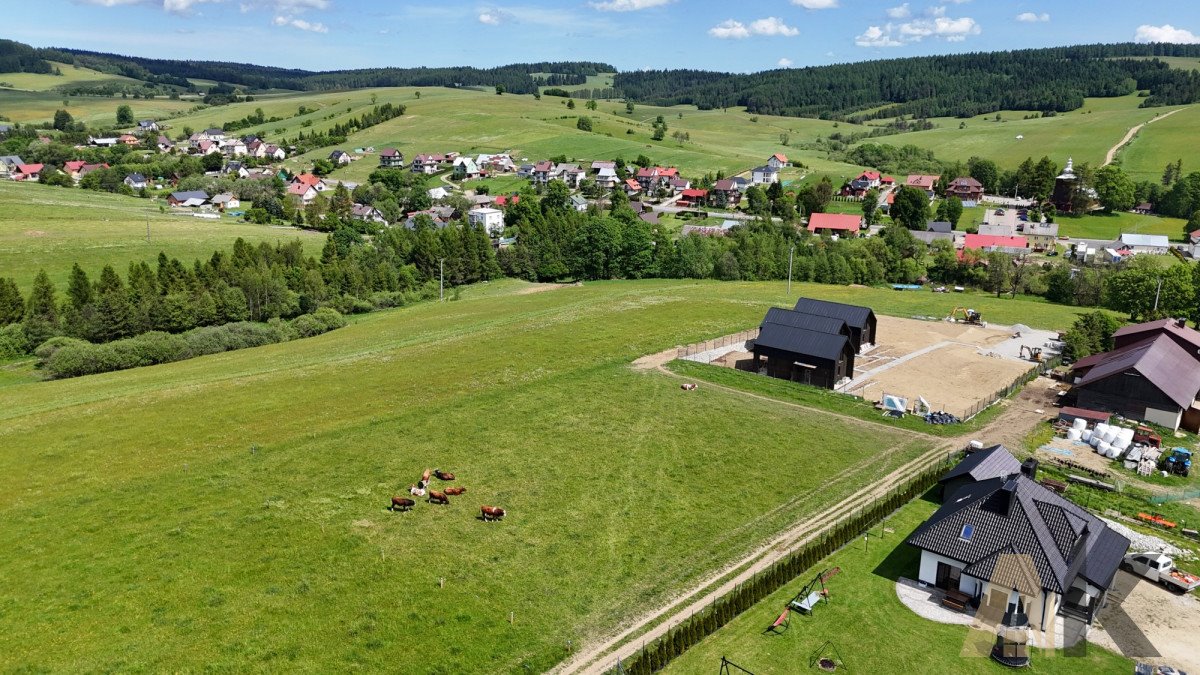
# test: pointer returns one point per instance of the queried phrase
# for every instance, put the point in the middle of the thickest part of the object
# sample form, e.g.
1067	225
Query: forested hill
962	85
16	57
516	78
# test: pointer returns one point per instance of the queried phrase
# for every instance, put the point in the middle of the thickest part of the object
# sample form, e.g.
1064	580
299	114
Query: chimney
1182	323
1009	493
1029	468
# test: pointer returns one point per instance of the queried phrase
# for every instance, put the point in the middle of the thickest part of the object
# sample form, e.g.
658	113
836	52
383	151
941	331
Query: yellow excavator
967	316
1032	353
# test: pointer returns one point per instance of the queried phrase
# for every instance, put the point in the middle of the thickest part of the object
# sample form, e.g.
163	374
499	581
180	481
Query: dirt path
1112	152
596	658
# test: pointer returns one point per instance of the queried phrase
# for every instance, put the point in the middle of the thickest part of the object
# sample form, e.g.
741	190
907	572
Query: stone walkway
927	603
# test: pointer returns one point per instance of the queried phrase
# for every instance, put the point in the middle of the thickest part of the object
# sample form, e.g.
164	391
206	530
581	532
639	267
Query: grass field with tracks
1167	140
229	510
51	228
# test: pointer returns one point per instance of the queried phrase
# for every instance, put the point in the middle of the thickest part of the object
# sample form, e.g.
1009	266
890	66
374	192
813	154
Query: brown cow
491	512
425	476
443	475
436	497
452	491
402	503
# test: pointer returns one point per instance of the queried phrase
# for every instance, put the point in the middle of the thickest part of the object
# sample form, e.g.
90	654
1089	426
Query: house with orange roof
922	182
842	224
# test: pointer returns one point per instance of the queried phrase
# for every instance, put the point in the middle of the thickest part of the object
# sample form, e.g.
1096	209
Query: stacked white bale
1103	448
1087	436
1073	434
1124	439
1110	434
1079	424
1096	439
1113	452
1099	430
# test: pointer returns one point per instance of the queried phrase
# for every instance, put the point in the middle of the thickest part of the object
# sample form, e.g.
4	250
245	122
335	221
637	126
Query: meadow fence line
739	338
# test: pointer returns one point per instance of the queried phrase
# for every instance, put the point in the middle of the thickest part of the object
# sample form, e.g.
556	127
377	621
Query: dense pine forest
963	85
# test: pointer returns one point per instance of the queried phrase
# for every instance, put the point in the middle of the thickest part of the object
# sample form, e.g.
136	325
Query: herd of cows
486	513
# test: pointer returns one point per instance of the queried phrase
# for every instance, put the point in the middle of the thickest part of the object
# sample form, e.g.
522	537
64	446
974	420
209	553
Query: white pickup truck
1160	568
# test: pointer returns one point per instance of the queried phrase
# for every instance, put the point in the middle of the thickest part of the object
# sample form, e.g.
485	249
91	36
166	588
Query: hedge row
657	655
62	357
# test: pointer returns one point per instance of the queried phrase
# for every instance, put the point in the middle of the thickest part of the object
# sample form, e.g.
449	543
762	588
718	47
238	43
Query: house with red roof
692	197
921	182
777	161
1017	245
505	200
632	187
28	172
655	177
301	193
128	139
843	224
391	158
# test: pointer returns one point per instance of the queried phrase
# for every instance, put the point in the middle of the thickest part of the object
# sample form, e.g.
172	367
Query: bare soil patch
1139	612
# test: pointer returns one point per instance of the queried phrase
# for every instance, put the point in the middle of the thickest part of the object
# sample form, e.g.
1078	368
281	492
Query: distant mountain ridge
1046	80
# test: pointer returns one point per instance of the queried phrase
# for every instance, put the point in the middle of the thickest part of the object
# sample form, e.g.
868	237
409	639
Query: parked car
1160	569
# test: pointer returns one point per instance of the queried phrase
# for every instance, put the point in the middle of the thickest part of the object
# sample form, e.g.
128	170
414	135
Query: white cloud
935	26
874	36
784	62
729	29
1165	33
901	12
816	4
300	24
1030	17
185	6
628	5
736	30
491	18
773	26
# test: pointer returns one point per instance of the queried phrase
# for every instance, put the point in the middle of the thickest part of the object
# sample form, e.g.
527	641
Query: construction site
957	364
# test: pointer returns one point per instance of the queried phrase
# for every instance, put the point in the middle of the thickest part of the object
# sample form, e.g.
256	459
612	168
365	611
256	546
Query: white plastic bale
1073	434
1086	437
1110	434
1103	448
1079	424
1113	452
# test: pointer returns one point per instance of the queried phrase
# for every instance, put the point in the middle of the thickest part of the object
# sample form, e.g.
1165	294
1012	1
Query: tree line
962	85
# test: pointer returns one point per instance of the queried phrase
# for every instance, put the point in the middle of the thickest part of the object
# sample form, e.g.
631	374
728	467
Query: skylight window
967	532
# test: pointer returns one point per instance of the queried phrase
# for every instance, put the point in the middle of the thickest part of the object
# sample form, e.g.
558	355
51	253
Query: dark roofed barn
806	356
860	320
1154	379
820	324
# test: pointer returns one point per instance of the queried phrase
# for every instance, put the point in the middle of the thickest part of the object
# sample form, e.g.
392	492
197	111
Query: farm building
1154	379
1156	244
860	320
1176	329
1008	542
794	353
835	223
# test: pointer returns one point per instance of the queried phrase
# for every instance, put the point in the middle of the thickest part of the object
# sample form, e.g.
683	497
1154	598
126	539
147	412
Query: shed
806	356
1069	414
860	320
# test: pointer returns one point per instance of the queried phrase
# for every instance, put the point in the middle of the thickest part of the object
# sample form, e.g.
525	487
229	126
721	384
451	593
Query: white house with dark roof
764	175
1005	541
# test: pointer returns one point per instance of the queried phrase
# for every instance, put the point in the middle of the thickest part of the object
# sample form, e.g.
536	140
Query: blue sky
746	35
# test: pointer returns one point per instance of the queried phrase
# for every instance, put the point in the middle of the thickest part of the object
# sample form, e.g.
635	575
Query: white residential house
607	178
226	200
466	169
367	213
103	142
136	181
147	127
579	203
9	164
764	175
492	220
340	157
777	161
302	192
426	164
438	193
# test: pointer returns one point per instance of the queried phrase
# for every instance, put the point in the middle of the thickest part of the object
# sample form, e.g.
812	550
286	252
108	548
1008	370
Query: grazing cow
416	491
455	490
491	512
425	476
436	497
402	503
443	475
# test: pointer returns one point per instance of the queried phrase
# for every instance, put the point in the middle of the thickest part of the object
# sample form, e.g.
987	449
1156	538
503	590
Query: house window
968	530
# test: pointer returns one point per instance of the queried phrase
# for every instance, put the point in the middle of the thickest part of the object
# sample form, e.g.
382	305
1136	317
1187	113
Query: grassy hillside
1085	134
1167	140
1112	225
51	228
229	509
39	106
71	75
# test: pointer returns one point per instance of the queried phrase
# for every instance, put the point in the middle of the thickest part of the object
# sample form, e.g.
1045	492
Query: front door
947	577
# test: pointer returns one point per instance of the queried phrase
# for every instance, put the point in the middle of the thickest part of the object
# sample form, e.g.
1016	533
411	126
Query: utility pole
790	252
1156	294
441	279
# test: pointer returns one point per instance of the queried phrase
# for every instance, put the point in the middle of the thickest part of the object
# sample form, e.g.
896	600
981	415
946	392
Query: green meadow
228	512
1167	140
1101	225
52	228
